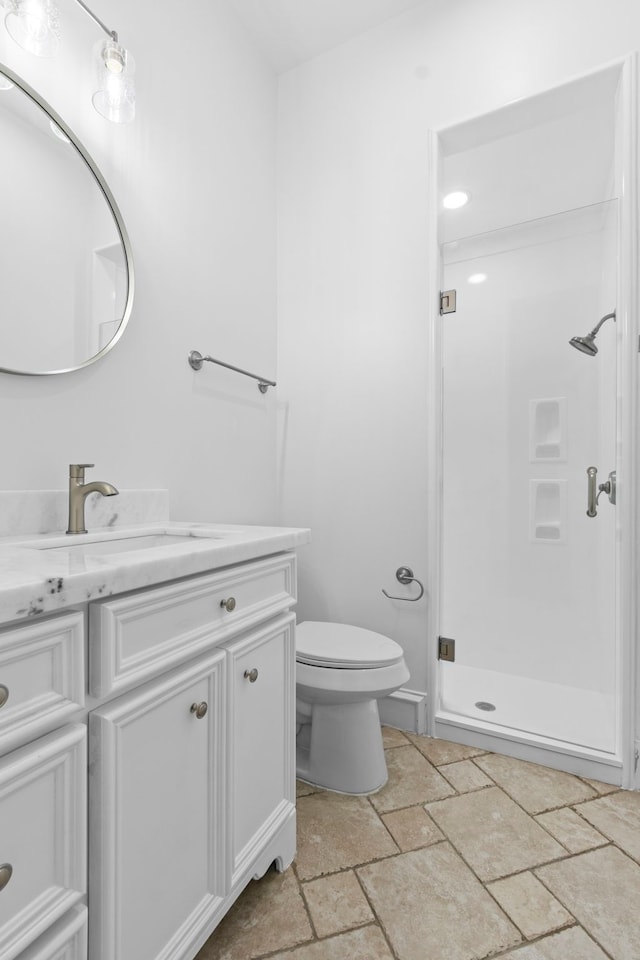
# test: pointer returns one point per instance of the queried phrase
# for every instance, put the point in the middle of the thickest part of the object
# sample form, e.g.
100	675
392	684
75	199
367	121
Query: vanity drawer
42	836
137	637
41	677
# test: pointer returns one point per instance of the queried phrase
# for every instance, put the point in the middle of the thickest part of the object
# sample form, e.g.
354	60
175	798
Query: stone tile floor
462	855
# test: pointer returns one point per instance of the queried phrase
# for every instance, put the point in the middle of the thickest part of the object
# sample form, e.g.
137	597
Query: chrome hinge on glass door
446	649
608	487
447	301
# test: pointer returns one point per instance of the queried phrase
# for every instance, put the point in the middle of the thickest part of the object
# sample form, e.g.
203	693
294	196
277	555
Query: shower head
588	344
585	344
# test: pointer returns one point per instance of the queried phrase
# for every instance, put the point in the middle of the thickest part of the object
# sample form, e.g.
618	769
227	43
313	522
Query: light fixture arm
103	26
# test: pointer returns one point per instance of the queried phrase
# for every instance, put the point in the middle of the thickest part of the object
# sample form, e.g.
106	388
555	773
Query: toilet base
343	750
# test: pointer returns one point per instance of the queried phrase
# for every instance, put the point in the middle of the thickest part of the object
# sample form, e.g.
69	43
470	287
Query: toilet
341	672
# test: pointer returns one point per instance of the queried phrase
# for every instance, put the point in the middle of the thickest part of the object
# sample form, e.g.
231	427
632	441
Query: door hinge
447	301
446	649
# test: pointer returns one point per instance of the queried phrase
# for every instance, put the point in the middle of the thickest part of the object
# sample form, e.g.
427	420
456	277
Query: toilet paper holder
405	575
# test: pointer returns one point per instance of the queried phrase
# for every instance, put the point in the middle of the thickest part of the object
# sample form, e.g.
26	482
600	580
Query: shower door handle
592	475
594	490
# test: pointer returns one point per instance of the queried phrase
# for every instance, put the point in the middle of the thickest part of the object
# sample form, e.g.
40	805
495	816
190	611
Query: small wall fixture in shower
548	511
548	429
587	344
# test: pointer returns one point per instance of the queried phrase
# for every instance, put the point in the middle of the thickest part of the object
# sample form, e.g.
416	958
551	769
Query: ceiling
292	31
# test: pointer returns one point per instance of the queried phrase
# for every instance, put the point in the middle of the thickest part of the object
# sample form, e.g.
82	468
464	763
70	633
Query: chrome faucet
78	493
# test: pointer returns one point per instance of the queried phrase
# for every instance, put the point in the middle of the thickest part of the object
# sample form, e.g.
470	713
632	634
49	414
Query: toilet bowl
341	672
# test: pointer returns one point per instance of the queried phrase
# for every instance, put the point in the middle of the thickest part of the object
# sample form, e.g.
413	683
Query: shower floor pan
551	710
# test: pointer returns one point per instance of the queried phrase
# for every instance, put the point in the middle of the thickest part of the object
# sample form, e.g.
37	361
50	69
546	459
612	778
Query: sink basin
123	544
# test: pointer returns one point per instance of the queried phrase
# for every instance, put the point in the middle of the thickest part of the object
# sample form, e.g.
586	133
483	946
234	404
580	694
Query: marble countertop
52	572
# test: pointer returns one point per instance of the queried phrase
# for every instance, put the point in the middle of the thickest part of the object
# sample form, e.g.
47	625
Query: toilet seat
342	646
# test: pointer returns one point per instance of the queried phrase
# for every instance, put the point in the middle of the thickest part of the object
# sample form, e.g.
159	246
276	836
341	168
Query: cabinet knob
200	709
4	694
5	874
251	675
229	604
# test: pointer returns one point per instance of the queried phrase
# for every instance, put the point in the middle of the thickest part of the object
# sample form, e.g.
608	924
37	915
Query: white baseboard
405	710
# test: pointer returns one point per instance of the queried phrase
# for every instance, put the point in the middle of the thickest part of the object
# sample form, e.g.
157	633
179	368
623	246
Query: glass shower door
529	589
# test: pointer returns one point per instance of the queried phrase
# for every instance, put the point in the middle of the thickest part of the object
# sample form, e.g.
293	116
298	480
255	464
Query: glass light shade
34	25
115	96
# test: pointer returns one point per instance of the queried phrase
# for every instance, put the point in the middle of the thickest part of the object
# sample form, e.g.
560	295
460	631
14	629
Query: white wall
194	176
353	298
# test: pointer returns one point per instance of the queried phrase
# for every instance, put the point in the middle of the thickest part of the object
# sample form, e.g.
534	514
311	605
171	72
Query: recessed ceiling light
455	199
477	278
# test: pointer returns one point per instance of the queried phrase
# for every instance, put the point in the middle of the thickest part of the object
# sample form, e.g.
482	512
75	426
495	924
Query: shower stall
533	446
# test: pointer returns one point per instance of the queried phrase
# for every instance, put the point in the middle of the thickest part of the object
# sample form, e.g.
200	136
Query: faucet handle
76	470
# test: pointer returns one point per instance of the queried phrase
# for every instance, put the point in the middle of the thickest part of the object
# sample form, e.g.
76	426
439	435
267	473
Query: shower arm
607	316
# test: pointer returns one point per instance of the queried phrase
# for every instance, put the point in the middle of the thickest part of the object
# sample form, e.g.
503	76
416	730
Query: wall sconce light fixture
35	26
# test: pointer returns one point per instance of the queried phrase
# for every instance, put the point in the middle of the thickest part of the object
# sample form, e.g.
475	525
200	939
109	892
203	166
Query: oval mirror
66	271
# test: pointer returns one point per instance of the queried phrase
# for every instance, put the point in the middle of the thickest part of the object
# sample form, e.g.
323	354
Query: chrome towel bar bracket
405	575
196	360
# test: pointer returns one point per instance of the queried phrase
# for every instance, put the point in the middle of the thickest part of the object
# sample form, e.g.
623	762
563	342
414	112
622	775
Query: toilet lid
343	646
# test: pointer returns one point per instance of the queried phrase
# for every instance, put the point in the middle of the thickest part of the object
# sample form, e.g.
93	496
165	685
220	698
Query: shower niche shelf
548	430
548	510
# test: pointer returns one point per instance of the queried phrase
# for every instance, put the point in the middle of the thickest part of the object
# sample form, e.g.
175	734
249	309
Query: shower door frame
626	769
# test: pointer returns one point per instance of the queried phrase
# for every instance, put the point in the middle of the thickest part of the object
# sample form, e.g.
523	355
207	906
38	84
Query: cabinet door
261	738
156	806
42	835
66	940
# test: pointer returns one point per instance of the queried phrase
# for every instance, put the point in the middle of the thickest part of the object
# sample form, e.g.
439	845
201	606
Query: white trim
405	710
434	440
629	302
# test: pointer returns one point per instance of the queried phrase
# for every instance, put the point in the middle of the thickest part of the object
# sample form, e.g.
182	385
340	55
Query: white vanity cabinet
42	786
192	776
166	712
